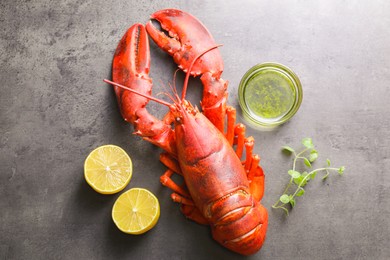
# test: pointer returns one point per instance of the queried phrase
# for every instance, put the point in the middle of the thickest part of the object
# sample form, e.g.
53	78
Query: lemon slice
136	211
108	169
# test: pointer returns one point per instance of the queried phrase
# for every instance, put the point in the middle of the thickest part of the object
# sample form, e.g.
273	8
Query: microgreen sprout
298	179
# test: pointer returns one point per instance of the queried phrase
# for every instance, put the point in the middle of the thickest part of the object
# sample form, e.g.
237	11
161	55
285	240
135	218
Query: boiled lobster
219	189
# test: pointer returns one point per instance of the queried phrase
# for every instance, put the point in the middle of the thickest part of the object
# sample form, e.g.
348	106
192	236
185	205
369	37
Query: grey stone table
55	109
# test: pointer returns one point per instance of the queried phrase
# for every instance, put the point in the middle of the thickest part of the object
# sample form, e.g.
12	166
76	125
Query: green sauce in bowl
269	94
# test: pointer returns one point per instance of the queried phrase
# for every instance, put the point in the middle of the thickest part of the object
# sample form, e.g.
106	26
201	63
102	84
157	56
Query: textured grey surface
55	110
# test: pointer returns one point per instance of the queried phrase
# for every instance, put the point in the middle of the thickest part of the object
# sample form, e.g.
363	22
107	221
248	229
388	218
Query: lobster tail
242	229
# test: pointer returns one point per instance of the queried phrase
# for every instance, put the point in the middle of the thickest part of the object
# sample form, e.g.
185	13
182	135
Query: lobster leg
194	214
131	68
231	119
239	132
255	162
182	200
166	180
256	179
255	173
180	195
249	143
170	163
236	135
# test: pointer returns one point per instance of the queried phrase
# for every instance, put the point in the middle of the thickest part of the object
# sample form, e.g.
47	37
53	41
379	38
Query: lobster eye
178	119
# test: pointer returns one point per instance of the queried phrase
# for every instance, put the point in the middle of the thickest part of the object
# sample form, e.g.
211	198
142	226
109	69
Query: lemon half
136	211
108	169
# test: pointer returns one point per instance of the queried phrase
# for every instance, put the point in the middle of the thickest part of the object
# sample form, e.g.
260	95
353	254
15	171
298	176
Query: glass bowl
269	95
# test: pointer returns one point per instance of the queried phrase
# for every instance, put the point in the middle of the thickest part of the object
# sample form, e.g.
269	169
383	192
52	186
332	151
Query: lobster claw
133	53
186	38
130	67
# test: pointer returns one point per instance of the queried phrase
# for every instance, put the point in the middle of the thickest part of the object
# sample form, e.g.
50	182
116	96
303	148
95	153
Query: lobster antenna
174	89
192	64
166	93
138	93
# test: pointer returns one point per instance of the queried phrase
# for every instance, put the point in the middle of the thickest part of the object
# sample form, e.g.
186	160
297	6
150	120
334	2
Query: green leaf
307	163
300	192
328	162
307	142
313	155
294	174
298	180
292	202
341	170
301	181
313	175
284	198
288	148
